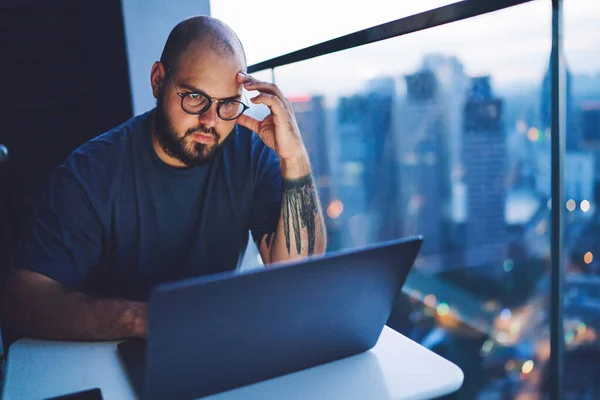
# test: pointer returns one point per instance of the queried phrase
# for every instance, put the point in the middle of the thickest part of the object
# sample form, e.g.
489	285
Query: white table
396	368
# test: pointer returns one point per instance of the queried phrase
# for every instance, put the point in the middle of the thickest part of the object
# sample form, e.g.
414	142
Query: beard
183	147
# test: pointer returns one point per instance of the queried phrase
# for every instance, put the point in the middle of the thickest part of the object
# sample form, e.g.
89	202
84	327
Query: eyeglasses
199	103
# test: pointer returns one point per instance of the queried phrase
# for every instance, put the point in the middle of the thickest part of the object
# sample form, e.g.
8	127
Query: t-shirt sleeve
63	239
266	198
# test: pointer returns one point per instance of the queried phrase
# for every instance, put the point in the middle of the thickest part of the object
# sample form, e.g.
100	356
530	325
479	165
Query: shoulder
95	166
100	156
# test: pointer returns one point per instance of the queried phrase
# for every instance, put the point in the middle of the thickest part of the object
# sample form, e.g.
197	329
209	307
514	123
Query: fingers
264	87
248	122
251	83
273	102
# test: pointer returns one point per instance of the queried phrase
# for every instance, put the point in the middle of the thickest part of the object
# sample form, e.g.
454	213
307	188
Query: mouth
203	138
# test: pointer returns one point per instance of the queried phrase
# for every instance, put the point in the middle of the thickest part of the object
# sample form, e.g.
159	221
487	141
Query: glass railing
446	132
434	133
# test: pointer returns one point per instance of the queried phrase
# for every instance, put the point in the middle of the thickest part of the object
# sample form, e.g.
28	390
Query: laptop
211	334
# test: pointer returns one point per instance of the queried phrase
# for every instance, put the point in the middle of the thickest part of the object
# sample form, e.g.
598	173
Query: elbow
320	247
9	318
321	242
320	251
19	301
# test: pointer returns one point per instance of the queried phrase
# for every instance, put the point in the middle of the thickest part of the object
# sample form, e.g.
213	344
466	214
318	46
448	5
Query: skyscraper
428	138
452	87
310	115
590	118
590	111
421	136
367	184
484	155
574	134
311	118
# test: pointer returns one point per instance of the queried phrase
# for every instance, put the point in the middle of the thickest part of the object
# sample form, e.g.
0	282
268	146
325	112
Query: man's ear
157	78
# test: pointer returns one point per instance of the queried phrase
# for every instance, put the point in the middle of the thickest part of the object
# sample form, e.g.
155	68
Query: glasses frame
210	100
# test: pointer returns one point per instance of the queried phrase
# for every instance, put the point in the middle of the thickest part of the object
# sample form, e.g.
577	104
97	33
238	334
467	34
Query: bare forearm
77	316
56	314
301	230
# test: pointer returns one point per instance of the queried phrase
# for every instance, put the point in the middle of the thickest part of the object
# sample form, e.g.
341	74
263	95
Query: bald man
170	194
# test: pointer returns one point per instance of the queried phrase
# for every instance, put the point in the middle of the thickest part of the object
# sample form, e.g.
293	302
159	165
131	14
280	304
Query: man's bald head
206	33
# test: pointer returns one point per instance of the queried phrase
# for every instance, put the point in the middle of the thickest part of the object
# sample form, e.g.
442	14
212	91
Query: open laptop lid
215	333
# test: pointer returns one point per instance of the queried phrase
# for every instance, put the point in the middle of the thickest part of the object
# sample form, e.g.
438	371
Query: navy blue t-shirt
115	220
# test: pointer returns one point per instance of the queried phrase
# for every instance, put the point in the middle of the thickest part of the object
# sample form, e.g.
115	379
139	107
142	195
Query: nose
210	117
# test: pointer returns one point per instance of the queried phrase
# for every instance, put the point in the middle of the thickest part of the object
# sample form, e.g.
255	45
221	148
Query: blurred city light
510	365
515	327
487	346
335	209
569	336
527	366
490	305
443	309
533	134
585	206
430	300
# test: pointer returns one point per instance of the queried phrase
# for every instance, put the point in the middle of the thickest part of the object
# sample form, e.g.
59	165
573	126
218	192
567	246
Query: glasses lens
195	103
231	109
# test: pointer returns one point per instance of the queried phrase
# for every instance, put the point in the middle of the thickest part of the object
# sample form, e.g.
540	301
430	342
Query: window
446	132
420	136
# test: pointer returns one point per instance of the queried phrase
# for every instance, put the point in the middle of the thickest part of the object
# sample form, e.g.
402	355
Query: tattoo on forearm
299	204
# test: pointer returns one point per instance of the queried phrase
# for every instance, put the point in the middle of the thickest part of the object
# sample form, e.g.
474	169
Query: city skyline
523	149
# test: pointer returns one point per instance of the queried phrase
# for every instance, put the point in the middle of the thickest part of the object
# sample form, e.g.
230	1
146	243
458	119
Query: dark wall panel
63	80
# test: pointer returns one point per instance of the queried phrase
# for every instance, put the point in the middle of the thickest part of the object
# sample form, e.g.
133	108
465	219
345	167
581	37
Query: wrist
138	320
295	167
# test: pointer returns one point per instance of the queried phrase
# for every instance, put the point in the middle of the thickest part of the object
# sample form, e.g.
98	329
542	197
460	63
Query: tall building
422	141
574	134
367	184
590	111
484	155
452	87
428	137
311	117
590	118
581	176
581	169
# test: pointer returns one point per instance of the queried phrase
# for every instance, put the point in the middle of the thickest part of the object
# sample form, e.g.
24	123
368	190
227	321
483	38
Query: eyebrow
196	90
